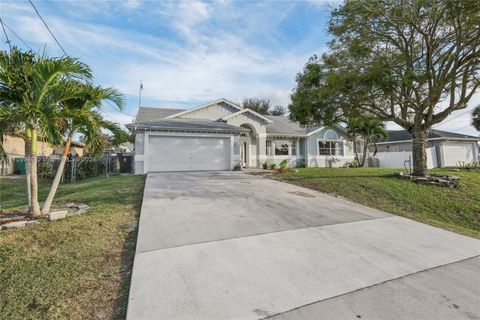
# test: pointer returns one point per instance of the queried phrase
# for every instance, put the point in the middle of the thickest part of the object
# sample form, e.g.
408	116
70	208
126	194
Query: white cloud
132	4
211	60
326	3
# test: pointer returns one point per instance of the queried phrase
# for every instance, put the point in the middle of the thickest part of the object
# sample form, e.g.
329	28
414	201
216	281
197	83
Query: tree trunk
35	207
355	149
58	175
365	151
419	154
28	149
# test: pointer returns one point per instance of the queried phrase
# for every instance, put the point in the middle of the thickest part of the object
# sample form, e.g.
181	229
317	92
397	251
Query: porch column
261	149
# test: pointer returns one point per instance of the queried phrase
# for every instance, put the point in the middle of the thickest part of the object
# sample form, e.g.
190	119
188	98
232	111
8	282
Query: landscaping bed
76	268
456	209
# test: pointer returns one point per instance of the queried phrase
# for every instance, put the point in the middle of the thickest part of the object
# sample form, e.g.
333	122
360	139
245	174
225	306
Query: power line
6	36
16	35
46	26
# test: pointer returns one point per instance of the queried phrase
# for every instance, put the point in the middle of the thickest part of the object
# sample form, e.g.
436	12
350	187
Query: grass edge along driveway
457	210
75	268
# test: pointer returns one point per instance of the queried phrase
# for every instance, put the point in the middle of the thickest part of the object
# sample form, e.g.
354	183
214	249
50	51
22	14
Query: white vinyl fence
397	159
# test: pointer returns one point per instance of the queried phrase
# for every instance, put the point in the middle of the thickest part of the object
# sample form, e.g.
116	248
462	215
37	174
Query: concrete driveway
227	245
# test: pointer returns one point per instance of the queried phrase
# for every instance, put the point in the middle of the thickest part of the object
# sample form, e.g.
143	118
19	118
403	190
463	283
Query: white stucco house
221	135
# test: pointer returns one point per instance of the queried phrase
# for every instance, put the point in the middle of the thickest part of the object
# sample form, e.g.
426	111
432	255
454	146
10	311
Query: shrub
284	164
301	164
273	166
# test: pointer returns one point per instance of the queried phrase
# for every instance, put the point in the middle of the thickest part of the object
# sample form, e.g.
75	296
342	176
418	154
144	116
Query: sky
186	53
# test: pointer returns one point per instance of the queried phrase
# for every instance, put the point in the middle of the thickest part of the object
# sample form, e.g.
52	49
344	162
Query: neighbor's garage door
458	152
179	153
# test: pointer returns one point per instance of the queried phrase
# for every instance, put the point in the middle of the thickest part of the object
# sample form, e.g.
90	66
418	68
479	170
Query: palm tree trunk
35	207
28	149
419	146
58	176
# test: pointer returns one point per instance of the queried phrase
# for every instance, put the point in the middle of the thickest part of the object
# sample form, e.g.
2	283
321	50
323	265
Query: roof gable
209	104
246	110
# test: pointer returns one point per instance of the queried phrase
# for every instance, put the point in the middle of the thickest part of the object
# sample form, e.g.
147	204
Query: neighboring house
220	135
15	148
443	149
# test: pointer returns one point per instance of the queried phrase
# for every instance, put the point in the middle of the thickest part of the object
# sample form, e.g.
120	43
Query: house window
330	135
330	148
294	148
269	150
281	148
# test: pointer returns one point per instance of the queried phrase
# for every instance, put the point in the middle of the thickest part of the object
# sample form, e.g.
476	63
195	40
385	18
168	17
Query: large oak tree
412	62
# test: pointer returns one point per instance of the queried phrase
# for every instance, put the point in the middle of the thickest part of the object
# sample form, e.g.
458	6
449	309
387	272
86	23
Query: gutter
163	128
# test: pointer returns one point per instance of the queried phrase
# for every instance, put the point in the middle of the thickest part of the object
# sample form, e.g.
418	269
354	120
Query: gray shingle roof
282	125
147	114
403	135
188	124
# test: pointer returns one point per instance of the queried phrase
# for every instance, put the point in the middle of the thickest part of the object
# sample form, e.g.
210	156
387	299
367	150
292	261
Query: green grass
77	268
453	209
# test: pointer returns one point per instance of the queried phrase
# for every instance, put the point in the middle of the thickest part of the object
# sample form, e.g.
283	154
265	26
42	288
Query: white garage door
178	153
458	152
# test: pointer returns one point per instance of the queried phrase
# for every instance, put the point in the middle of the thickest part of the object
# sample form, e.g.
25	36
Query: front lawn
454	209
77	268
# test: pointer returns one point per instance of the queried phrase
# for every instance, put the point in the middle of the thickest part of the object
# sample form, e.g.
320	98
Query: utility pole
140	94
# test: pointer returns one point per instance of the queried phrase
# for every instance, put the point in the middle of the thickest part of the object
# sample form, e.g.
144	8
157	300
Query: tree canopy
263	106
412	62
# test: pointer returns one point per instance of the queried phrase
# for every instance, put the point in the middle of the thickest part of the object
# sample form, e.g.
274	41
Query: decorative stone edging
441	180
70	209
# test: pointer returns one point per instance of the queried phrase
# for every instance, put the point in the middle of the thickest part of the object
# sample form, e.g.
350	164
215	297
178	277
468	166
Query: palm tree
368	129
79	115
476	118
30	90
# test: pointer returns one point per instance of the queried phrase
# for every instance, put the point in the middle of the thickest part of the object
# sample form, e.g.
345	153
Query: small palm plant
79	114
367	130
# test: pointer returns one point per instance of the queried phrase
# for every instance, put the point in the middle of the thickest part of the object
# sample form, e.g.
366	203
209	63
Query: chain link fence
79	168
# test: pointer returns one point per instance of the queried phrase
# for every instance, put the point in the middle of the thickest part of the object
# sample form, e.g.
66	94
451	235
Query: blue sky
186	52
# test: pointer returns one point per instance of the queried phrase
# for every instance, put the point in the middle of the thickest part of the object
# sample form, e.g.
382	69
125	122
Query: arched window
331	145
330	135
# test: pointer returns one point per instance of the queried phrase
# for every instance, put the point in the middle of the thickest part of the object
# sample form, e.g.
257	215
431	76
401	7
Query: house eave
290	135
134	128
433	139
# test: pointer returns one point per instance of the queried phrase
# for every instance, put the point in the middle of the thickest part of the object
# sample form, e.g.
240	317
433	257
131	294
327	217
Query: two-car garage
188	153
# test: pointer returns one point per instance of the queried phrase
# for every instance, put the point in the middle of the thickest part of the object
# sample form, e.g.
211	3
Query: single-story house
14	147
446	148
221	135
